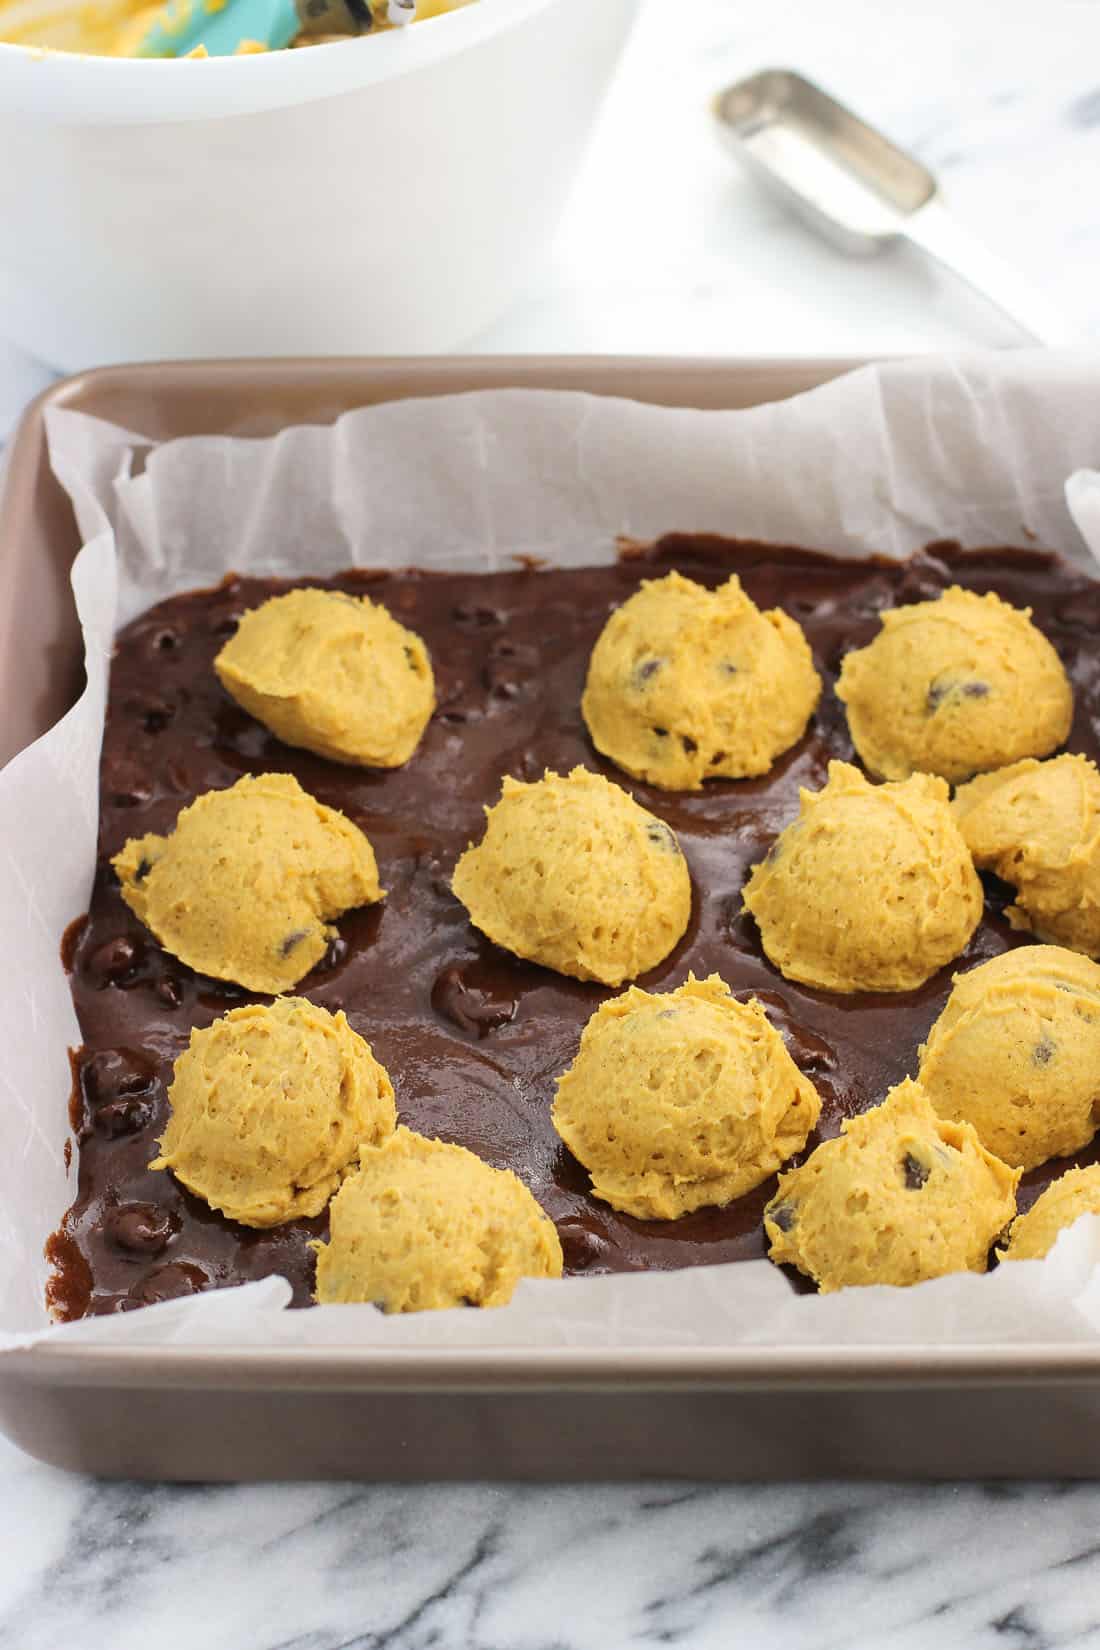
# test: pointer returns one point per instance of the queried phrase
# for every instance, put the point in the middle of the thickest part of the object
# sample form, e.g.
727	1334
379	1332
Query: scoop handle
936	232
183	25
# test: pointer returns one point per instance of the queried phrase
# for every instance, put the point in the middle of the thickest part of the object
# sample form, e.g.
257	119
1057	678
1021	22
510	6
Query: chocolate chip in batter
141	1229
169	1282
940	692
645	672
471	613
111	1074
115	962
136	796
169	989
661	834
916	1172
119	1088
335	954
127	1116
469	1007
582	1246
432	867
500	679
154	714
510	669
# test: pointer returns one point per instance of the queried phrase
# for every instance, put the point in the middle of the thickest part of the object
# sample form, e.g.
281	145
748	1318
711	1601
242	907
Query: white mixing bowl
383	195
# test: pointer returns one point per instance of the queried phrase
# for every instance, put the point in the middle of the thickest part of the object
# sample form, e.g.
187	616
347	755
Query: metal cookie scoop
862	192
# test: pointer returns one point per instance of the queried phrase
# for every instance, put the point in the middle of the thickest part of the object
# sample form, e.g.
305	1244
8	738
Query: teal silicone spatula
221	27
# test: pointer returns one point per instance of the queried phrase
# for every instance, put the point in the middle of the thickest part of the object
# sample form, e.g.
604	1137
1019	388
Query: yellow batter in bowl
115	28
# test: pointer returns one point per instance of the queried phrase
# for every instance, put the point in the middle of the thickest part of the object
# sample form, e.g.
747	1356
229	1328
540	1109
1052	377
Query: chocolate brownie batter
473	1038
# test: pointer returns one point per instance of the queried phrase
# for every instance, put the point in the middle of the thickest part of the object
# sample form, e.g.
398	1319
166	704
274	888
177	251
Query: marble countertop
666	247
105	1566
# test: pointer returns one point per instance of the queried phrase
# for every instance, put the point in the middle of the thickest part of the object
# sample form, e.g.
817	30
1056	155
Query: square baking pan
740	1413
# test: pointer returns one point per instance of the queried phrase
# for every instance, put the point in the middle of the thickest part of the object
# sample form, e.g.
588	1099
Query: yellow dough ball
870	889
573	874
335	674
245	885
955	687
899	1197
422	1225
687	684
270	1105
682	1100
1075	1194
1037	826
1016	1052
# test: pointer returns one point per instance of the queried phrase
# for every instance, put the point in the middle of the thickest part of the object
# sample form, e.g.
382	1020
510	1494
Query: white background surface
665	249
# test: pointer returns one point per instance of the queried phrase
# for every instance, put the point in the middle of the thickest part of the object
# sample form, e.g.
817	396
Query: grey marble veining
329	1567
665	248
